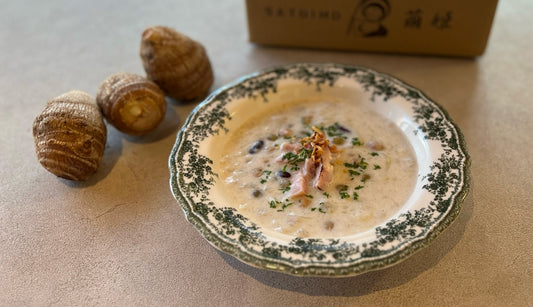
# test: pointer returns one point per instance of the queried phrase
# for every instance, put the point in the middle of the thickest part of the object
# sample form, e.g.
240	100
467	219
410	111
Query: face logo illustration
367	18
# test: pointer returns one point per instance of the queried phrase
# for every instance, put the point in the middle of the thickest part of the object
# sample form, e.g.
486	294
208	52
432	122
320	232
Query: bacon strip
324	173
317	169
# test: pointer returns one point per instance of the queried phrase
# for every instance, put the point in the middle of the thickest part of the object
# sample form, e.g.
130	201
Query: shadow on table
369	282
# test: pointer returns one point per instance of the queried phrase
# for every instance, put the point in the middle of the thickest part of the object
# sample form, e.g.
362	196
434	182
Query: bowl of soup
319	169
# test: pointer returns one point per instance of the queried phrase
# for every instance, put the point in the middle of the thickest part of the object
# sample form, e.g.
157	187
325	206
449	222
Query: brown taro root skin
70	136
131	103
175	62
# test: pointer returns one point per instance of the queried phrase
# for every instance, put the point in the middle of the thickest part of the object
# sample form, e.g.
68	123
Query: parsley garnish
284	204
335	130
293	159
356	142
266	176
357	167
343	191
319	208
353	173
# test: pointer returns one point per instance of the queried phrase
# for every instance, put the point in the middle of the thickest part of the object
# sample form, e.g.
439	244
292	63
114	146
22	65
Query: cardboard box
440	27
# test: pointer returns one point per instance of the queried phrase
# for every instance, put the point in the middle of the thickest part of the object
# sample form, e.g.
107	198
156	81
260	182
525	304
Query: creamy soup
318	169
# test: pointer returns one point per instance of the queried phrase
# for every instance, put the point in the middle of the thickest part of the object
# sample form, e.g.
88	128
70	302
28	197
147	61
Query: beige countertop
120	238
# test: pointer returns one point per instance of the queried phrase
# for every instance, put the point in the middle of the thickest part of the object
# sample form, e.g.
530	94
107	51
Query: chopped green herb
274	204
359	187
326	194
285	205
319	208
365	177
293	159
343	191
377	166
285	189
353	173
335	130
308	195
355	196
266	175
363	164
357	167
356	142
351	165
373	154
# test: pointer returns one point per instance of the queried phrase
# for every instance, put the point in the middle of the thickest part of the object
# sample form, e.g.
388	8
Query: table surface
121	239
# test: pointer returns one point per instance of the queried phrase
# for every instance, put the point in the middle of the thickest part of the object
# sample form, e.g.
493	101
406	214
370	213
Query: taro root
70	136
375	145
328	225
175	62
131	103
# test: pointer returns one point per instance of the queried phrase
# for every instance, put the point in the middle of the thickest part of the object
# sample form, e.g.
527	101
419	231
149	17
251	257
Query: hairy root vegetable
178	64
70	136
131	103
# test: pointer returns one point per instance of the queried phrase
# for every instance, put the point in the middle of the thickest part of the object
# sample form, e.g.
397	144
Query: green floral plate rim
444	179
